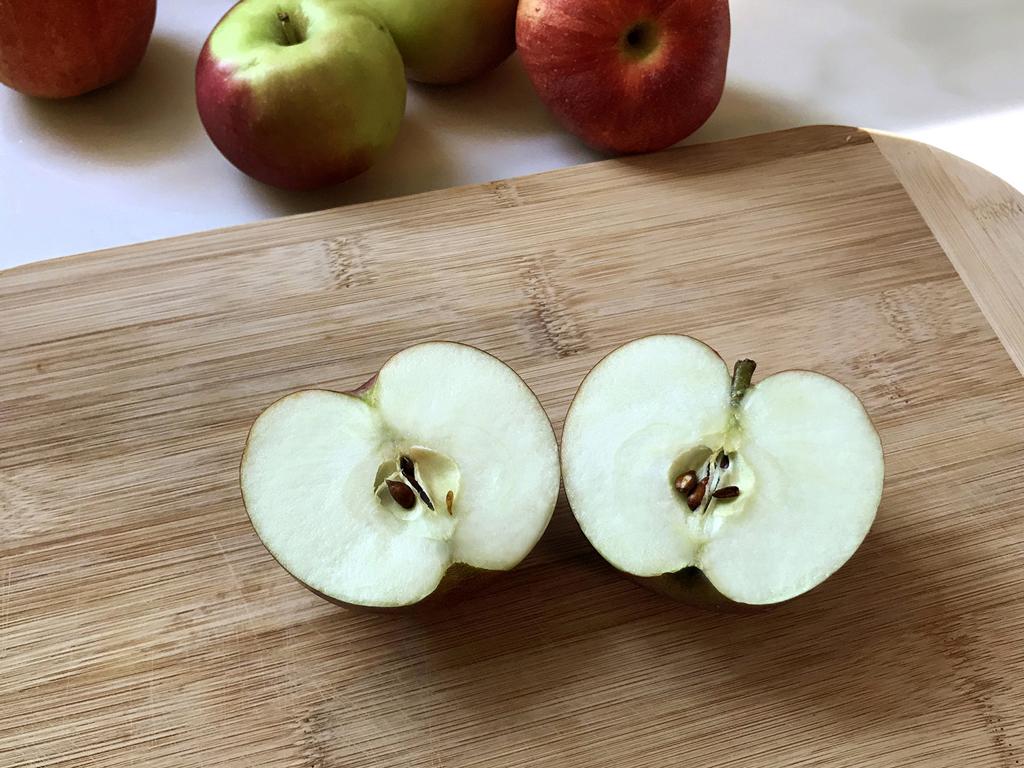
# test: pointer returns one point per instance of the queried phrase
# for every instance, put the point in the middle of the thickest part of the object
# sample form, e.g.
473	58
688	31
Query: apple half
705	487
444	463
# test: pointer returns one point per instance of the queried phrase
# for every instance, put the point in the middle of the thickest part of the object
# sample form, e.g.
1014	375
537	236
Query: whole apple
626	75
450	41
60	48
301	93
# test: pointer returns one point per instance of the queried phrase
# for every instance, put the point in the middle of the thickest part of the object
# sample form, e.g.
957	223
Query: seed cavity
702	493
401	493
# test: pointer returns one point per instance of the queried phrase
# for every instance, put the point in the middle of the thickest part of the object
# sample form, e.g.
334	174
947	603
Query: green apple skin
301	104
445	42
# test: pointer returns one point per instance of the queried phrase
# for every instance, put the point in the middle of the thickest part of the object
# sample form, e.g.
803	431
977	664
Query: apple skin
626	76
306	115
444	42
61	48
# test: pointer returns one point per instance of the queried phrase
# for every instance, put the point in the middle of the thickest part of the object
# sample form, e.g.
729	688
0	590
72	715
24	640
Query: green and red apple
61	48
626	75
301	93
444	463
450	41
708	488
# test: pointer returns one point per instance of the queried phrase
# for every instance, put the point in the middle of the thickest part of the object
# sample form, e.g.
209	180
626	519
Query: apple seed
686	482
724	461
695	498
408	468
449	499
729	492
402	494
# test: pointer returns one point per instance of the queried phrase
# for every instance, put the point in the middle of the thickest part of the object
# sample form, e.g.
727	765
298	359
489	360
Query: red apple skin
60	48
296	129
622	97
228	109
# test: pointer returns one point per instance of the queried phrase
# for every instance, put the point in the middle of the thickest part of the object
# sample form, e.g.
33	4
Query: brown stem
741	375
291	34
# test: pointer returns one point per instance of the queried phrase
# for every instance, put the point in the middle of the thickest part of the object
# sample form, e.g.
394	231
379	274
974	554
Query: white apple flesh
797	453
371	498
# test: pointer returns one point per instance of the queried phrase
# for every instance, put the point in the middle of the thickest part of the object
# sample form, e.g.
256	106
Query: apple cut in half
705	487
445	462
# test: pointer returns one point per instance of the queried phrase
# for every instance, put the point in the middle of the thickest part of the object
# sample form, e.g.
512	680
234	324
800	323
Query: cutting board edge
829	135
977	218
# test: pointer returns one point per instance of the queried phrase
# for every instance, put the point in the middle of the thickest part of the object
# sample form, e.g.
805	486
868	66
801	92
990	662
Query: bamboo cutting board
143	624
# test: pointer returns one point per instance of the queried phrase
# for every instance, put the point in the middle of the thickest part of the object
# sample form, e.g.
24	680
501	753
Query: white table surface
132	162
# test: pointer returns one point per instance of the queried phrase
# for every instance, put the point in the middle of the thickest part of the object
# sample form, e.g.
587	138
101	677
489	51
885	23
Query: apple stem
741	375
291	35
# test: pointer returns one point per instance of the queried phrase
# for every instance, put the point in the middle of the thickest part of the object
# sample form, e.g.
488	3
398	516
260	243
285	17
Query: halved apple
378	498
705	487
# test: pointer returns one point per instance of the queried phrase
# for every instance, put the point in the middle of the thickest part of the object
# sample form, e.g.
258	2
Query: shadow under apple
744	112
136	121
472	108
565	638
415	163
865	653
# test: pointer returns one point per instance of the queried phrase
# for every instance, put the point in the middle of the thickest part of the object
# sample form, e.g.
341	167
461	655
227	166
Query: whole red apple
60	48
300	93
626	75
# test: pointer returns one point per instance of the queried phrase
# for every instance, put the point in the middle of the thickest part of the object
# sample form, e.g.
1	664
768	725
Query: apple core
432	482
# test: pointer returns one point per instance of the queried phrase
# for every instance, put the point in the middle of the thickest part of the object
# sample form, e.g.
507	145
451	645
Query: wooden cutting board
143	624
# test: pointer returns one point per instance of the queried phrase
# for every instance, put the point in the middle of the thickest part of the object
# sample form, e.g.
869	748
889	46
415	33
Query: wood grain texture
978	220
142	623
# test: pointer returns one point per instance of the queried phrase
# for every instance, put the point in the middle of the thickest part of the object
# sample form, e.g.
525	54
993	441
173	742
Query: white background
132	162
